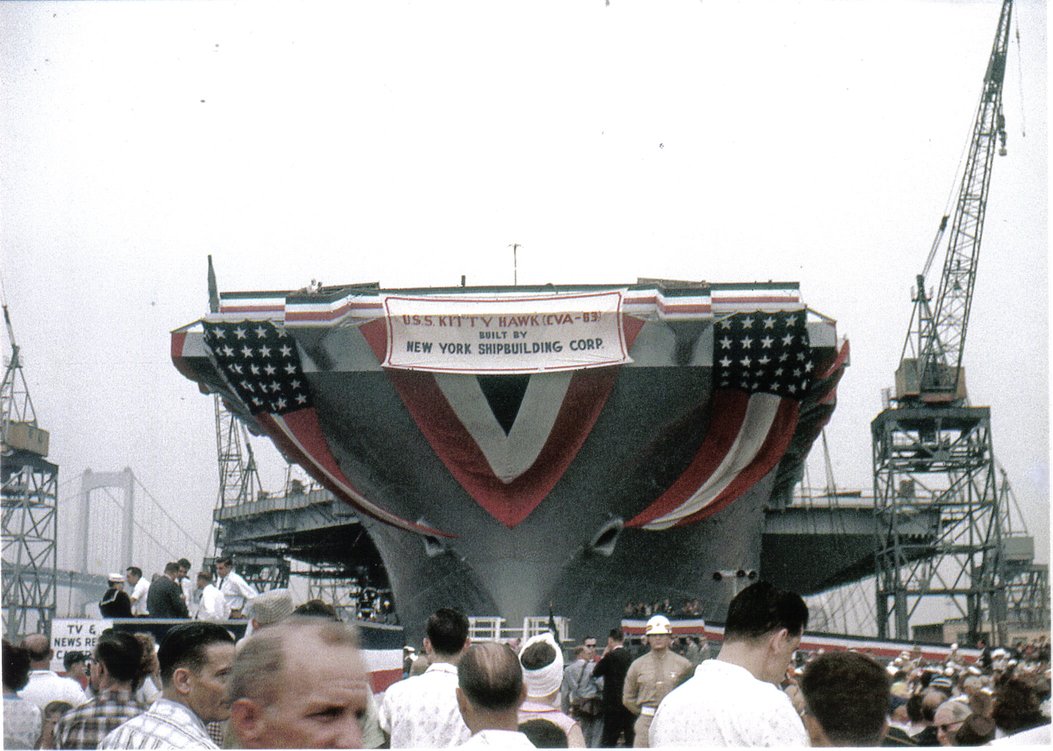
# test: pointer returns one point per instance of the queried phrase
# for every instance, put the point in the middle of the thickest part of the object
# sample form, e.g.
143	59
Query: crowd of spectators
688	608
298	680
959	702
285	685
217	594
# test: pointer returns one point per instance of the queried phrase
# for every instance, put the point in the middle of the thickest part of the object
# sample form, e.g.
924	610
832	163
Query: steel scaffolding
265	567
28	498
941	525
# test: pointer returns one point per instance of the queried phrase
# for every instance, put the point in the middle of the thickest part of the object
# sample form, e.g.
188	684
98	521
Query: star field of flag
262	365
763	352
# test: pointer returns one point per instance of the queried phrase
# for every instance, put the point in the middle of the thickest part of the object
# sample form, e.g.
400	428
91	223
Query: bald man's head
490	677
39	648
300	683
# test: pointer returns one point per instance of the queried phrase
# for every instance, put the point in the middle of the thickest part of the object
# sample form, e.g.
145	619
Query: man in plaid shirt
196	660
112	673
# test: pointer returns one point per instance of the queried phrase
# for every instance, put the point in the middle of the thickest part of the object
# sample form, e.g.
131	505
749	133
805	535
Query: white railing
495	628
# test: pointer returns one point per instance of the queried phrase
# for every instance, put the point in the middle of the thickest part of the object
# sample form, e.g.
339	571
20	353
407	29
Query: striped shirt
166	724
86	725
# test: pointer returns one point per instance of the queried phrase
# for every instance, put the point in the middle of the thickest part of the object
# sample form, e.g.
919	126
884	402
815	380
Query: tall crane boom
932	372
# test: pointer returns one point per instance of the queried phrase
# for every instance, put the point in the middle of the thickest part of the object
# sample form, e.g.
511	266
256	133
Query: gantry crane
930	369
29	495
932	452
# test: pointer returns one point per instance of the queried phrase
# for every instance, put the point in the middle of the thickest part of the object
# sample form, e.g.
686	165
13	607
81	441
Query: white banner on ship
505	334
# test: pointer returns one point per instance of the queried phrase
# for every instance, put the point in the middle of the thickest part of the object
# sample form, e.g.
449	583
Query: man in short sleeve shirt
735	700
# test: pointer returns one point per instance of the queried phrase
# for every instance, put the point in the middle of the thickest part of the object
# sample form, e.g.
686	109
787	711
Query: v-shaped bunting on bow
507	475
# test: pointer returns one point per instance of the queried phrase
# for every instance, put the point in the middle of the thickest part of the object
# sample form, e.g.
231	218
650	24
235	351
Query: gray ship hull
635	490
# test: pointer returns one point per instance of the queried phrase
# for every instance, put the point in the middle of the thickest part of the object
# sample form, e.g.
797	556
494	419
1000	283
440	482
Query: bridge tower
28	498
123	481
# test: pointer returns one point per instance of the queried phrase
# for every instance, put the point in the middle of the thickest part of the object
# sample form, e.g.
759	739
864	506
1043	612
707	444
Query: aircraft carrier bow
512	449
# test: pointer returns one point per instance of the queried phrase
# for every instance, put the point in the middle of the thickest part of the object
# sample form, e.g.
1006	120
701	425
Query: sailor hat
113	578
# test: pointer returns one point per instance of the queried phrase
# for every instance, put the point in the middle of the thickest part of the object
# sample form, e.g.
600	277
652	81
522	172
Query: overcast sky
411	142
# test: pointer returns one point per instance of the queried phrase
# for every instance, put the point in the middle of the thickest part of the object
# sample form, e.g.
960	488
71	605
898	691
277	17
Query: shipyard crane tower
29	494
941	525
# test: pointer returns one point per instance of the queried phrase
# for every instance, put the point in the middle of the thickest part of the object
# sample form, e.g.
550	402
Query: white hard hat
658	624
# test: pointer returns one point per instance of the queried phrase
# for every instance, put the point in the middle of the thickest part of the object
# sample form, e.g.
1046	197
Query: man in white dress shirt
46	686
210	604
735	699
421	712
235	589
183	580
140	590
490	689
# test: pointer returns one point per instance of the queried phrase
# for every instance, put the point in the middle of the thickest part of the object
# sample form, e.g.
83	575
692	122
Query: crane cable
952	193
1020	76
952	196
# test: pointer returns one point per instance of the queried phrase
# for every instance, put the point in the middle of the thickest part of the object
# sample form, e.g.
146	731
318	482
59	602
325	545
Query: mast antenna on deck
515	266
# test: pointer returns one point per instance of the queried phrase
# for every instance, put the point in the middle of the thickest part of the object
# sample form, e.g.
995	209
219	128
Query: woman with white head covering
542	662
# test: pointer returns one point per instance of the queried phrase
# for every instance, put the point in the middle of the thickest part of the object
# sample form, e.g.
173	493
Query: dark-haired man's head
172	570
761	609
615	638
77	665
15	666
914	712
134	574
447	635
118	656
184	566
317	609
196	661
224	565
544	734
763	629
490	687
847	699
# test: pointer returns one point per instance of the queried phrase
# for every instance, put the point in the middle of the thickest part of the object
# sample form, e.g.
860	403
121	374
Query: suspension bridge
108	521
99	523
